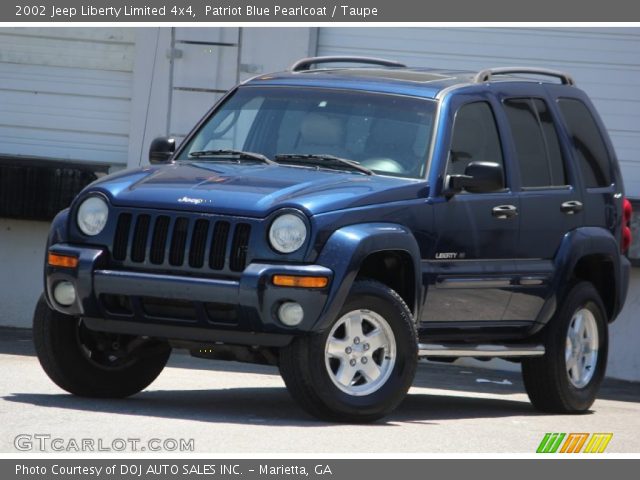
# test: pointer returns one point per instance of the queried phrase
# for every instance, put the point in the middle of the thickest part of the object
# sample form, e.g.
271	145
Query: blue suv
341	223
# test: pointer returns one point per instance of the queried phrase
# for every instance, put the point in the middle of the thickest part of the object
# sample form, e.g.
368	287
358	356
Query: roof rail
485	75
304	64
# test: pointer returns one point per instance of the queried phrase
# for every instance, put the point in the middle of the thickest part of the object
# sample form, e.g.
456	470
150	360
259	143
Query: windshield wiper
322	160
239	154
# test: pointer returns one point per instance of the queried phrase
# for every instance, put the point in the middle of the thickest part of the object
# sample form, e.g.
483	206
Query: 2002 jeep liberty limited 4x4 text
340	223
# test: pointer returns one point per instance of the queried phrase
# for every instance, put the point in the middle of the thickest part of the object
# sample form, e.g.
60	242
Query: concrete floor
229	407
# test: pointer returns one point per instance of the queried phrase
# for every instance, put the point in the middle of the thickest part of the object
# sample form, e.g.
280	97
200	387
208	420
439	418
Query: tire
76	359
388	343
553	384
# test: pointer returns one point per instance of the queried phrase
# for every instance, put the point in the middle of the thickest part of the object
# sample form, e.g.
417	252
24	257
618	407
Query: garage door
65	93
605	63
205	66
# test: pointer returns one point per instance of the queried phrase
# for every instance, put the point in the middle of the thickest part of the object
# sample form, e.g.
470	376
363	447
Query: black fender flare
345	252
576	245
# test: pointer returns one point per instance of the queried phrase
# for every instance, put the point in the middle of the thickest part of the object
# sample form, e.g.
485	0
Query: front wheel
362	366
94	364
567	378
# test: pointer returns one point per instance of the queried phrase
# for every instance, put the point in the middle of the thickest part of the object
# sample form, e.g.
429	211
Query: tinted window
590	150
475	138
536	143
554	153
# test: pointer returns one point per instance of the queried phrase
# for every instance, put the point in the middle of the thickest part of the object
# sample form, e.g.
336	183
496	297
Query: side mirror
479	177
161	150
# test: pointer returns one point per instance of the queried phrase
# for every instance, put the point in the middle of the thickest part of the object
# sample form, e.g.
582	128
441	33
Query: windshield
387	134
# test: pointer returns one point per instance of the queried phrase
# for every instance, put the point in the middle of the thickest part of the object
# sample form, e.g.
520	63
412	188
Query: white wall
22	246
65	93
624	349
265	50
150	92
207	68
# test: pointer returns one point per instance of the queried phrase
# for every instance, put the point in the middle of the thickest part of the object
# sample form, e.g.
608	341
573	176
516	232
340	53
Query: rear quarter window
588	146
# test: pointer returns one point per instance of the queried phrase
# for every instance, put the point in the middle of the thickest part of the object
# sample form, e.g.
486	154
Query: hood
252	190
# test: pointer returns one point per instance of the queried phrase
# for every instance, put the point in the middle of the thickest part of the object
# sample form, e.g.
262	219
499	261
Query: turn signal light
65	261
300	281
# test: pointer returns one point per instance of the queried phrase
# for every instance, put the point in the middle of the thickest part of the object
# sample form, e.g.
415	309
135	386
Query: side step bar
489	350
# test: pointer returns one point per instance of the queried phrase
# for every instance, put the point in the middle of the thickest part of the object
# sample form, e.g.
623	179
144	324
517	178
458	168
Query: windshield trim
226	97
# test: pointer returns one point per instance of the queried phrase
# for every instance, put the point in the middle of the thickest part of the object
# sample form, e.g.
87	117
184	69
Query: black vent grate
159	240
183	242
122	237
36	189
219	245
178	242
198	244
140	238
239	247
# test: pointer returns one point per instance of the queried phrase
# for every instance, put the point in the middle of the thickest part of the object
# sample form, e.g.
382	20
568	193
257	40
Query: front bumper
240	311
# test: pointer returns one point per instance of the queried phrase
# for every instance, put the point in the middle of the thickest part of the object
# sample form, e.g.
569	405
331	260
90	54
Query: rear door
550	203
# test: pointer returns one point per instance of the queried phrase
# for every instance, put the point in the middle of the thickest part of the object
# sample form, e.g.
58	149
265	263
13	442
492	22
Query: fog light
290	313
64	293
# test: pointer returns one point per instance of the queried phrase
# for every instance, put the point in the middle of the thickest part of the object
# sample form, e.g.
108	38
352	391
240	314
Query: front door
469	274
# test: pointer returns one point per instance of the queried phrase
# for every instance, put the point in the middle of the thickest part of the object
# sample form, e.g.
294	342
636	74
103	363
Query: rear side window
588	145
475	138
536	143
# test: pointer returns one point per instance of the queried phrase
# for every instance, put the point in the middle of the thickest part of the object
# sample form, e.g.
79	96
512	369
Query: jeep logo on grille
195	201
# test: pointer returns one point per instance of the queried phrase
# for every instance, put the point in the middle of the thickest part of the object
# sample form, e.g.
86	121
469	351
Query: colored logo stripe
598	442
574	442
550	443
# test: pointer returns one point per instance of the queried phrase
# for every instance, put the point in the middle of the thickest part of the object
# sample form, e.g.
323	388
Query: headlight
92	215
287	233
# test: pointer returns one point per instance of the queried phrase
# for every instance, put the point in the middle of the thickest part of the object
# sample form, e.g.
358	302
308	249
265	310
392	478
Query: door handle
504	212
571	207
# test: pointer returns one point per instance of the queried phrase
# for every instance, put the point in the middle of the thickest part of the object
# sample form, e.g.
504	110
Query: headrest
318	129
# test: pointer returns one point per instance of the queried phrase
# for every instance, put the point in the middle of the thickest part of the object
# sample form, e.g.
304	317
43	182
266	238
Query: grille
181	242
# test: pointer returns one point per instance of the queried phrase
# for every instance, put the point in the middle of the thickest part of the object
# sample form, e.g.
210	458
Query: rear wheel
94	364
567	378
360	368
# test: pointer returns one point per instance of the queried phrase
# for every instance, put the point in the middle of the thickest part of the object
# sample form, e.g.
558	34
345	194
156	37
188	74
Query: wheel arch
593	254
395	269
372	250
599	270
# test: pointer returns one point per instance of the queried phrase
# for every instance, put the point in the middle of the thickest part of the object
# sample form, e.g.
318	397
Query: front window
387	134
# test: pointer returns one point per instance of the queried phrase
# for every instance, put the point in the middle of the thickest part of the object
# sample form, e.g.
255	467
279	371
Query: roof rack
304	64
485	75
